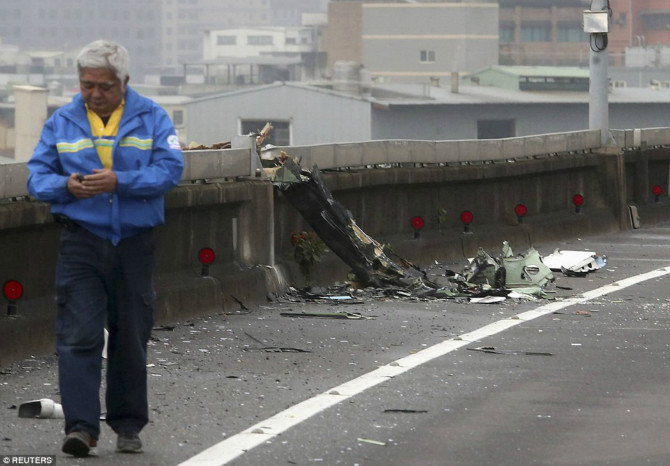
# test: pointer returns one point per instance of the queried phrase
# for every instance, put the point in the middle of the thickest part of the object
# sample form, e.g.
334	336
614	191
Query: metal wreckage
485	278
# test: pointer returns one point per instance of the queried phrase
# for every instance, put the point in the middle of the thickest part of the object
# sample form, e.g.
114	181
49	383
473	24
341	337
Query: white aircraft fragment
574	262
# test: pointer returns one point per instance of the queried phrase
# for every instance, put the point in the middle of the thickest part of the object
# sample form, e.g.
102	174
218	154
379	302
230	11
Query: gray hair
105	54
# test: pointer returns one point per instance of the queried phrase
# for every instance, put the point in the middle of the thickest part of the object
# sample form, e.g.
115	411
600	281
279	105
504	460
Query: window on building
226	40
280	135
535	33
656	20
427	56
177	117
496	129
507	33
571	33
259	40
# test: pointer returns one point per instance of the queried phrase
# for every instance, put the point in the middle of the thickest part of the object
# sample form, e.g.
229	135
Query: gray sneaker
79	443
128	442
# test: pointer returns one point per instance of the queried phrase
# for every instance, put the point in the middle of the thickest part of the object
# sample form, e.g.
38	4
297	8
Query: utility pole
596	24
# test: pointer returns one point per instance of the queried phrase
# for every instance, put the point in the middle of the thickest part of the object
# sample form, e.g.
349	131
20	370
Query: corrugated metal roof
414	94
424	94
303	86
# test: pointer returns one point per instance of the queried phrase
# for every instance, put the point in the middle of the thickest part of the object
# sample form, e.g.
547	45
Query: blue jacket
147	161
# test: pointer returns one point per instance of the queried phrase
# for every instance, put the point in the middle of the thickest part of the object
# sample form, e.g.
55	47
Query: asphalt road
582	379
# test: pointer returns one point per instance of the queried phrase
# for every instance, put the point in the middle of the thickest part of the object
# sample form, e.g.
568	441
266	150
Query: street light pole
596	23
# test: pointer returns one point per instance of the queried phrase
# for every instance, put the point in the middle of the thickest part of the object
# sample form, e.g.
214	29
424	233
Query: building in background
412	42
158	33
67	25
640	34
264	55
307	115
543	32
639	23
546	32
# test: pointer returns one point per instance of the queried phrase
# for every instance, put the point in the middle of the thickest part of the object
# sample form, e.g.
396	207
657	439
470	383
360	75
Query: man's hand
100	182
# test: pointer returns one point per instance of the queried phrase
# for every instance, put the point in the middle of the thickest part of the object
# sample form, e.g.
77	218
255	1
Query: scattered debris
373	442
372	263
489	280
575	263
261	137
218	145
406	411
485	280
238	301
493	350
326	315
488	300
272	349
278	349
335	295
167	328
43	409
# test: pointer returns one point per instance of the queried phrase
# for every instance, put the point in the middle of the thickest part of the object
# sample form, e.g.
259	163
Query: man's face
101	90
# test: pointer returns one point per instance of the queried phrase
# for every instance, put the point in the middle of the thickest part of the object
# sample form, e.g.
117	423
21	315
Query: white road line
235	446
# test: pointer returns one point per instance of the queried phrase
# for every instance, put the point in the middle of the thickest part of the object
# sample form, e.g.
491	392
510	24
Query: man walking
104	163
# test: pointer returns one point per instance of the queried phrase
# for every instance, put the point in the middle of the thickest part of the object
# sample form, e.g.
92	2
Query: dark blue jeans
98	283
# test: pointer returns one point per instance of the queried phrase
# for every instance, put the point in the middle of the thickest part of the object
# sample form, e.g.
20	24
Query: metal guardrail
243	162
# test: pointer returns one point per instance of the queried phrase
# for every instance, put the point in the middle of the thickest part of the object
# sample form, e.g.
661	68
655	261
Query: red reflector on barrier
417	222
467	217
206	256
520	210
12	289
578	200
657	190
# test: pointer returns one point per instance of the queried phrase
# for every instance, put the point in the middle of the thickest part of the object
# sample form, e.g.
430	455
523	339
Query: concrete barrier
223	204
